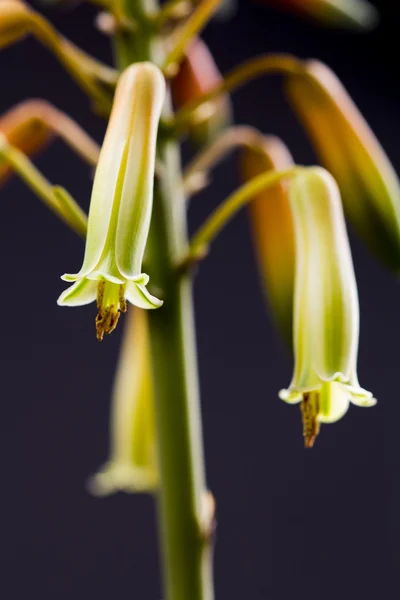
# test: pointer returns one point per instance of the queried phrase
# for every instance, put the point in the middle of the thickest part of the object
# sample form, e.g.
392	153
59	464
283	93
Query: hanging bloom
349	150
272	228
132	466
326	312
121	203
358	14
198	74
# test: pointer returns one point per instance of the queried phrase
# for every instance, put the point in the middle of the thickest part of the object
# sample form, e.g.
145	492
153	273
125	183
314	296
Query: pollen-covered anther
110	303
309	410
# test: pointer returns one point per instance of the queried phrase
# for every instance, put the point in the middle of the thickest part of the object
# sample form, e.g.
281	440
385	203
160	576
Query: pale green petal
334	402
139	296
80	293
137	190
327	301
291	396
124	477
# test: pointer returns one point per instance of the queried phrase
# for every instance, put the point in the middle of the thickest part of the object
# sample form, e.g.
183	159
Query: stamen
309	410
110	301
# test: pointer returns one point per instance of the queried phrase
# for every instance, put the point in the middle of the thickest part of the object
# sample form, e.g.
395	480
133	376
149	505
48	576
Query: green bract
326	311
121	203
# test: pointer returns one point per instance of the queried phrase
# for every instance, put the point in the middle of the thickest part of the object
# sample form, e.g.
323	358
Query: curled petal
138	295
80	293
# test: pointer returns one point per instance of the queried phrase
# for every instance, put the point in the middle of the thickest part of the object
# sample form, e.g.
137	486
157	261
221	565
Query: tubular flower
350	151
132	466
197	74
24	131
121	203
358	14
326	312
272	228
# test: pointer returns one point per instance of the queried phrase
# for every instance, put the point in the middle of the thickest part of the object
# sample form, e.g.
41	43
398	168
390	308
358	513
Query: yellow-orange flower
197	74
272	228
350	151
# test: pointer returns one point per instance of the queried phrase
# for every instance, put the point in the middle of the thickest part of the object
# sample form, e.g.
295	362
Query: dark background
291	523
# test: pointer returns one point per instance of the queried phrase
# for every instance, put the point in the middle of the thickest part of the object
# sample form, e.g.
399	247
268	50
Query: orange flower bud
272	228
350	151
25	128
357	14
198	73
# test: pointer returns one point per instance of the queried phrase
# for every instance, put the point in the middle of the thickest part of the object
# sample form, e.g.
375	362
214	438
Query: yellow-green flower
272	228
349	150
358	14
326	311
132	466
121	203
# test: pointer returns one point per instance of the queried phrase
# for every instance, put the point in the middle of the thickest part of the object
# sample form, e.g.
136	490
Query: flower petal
334	402
139	296
136	204
80	293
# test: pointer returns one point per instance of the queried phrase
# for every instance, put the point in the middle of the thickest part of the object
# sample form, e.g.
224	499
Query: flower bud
198	74
355	14
132	466
272	228
349	150
326	311
14	22
25	130
121	203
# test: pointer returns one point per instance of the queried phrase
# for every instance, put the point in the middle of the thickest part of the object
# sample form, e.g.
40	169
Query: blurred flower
358	14
23	130
350	151
326	312
121	204
198	74
272	227
132	466
32	124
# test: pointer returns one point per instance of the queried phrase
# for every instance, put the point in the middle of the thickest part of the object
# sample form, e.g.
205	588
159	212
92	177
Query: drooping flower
198	74
121	203
350	151
272	228
132	466
358	14
32	124
326	311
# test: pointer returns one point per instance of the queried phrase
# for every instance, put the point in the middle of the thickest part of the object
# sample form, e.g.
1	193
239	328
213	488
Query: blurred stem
185	509
271	64
67	209
185	33
229	207
195	174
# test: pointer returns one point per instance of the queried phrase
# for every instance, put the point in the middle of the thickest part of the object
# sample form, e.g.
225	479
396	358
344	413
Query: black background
291	523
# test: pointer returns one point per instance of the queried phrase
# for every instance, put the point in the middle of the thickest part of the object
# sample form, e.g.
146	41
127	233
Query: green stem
64	207
184	507
229	207
271	64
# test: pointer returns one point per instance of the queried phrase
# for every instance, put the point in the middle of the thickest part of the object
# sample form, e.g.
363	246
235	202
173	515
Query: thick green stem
185	508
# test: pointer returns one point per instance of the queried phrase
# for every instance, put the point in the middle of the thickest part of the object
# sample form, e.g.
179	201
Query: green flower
326	311
121	203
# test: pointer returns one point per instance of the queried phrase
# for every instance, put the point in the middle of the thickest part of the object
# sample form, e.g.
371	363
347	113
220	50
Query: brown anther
122	301
309	410
106	321
100	294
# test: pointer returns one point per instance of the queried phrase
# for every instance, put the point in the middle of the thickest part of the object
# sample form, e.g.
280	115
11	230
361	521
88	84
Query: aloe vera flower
348	148
326	310
358	14
121	203
271	222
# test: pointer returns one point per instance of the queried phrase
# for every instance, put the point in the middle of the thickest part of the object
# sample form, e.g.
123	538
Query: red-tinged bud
272	227
198	74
